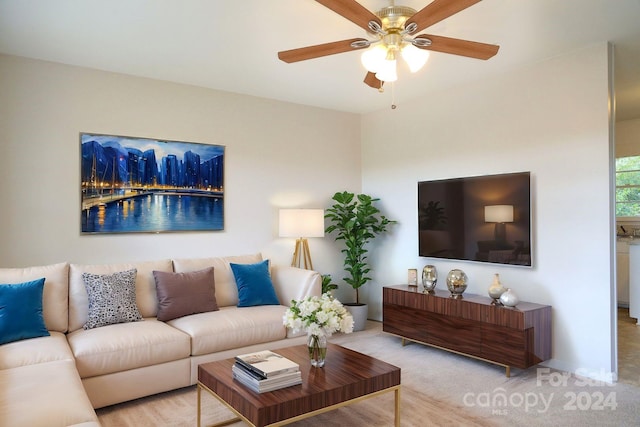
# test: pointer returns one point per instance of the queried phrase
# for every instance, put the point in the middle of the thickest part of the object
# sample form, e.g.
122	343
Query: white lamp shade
414	57
387	71
498	213
301	223
372	58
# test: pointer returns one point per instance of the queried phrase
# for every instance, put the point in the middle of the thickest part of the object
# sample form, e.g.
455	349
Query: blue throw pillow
21	311
254	284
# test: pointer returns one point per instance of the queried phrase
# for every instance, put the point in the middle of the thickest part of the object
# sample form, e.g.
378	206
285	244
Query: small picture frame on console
412	277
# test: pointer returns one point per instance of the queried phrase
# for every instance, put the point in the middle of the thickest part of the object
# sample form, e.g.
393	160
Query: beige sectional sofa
59	380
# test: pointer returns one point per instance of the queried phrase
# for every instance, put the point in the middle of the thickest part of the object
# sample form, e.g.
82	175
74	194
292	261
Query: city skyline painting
134	185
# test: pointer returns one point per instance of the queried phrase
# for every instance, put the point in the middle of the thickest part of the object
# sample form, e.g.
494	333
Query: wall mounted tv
481	218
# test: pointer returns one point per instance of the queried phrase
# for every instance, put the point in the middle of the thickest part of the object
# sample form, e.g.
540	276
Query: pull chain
393	96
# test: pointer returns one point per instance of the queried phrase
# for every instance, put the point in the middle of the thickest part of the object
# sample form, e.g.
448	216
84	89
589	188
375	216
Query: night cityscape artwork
141	185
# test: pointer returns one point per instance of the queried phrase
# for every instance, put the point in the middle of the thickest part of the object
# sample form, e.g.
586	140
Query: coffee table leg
397	407
199	407
238	417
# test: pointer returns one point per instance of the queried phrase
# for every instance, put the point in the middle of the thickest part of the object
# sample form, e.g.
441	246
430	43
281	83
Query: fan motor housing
394	17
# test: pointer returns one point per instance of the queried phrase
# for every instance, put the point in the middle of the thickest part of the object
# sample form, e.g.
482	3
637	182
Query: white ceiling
233	45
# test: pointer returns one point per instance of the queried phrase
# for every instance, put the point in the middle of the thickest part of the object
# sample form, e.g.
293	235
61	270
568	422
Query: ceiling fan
393	28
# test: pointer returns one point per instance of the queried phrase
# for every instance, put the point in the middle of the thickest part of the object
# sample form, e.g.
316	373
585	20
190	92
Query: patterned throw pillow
112	298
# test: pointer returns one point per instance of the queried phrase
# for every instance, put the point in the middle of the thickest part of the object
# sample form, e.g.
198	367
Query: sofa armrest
292	283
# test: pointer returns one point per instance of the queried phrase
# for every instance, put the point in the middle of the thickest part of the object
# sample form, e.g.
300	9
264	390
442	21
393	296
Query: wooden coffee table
347	377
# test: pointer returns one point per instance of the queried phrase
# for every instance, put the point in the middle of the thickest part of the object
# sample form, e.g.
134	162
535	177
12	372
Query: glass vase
429	278
457	283
496	289
317	345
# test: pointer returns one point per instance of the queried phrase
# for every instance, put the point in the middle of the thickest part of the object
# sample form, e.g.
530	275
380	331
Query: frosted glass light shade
372	58
498	213
414	57
387	71
301	223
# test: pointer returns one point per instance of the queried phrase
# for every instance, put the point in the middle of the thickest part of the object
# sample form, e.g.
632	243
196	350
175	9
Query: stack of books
266	371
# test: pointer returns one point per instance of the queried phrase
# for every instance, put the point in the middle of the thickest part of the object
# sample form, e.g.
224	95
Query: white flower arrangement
318	315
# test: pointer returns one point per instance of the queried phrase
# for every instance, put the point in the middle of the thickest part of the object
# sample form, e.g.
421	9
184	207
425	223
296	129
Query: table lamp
301	223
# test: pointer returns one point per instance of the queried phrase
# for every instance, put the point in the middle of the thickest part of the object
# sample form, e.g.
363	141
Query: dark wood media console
472	326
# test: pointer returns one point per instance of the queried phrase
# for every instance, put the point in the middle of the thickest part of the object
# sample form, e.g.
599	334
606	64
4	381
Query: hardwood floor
436	386
628	348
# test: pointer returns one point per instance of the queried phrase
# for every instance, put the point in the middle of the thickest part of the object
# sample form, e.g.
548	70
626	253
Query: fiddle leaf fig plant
356	221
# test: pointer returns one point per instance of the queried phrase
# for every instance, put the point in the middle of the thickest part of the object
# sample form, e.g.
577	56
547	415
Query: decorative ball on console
456	283
509	298
429	278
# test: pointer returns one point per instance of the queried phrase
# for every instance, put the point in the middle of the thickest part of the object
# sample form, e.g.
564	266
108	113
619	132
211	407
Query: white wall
550	119
628	138
277	155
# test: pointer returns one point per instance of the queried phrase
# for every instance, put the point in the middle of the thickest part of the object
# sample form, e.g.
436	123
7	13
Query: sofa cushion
44	395
112	298
146	299
226	290
181	294
305	283
254	284
35	350
124	346
232	327
21	311
55	296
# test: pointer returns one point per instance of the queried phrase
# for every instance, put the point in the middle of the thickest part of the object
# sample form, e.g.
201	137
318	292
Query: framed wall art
142	185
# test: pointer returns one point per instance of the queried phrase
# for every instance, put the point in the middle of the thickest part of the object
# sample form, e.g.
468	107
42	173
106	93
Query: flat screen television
481	218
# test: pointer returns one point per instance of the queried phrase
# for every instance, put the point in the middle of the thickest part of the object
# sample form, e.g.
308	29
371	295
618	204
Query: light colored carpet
438	389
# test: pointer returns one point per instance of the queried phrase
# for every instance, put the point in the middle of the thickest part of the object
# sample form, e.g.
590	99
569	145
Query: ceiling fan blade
459	47
353	11
310	52
436	11
371	80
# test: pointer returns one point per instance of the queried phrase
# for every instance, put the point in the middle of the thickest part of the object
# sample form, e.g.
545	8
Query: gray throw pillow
182	294
112	298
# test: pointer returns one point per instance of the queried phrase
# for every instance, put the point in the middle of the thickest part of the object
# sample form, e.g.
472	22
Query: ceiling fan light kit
414	57
393	27
380	59
386	71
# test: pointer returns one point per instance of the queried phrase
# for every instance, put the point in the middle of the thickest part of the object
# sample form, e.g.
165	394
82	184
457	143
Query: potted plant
327	285
356	221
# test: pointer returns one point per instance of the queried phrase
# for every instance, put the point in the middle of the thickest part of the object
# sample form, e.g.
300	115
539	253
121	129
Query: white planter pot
360	313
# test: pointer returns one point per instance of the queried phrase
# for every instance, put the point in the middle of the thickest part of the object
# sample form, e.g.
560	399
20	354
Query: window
628	186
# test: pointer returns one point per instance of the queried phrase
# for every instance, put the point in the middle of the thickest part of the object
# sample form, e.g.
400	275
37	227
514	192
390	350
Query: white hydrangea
322	315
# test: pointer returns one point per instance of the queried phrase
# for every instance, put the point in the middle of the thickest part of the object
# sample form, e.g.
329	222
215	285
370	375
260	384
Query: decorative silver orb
509	298
457	283
429	278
